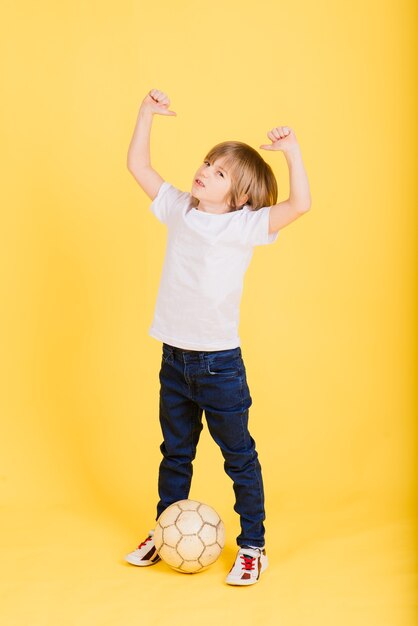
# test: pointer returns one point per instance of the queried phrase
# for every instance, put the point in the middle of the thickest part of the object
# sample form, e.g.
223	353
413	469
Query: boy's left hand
283	138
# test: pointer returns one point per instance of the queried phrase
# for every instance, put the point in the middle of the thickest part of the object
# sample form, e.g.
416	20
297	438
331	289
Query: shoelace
248	562
143	543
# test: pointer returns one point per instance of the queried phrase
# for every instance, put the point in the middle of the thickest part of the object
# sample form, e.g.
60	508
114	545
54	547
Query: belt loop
169	348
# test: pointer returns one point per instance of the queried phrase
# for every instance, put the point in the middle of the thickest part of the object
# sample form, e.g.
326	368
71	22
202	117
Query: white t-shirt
202	278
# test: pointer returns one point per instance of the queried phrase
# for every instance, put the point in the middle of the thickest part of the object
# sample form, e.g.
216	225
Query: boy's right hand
157	102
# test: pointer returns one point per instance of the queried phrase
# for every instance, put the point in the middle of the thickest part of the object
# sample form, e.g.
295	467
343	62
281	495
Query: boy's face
214	186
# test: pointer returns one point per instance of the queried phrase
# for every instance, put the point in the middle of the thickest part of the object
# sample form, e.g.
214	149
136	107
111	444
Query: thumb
266	147
168	112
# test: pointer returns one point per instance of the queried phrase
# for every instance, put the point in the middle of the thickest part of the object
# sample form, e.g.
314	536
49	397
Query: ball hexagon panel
190	567
210	554
220	533
208	514
189	522
188	505
170	556
171	535
158	536
169	516
208	534
190	548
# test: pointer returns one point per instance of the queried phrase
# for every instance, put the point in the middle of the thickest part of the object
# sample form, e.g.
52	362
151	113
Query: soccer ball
189	536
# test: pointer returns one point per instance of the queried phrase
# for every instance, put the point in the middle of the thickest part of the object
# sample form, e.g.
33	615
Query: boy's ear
240	202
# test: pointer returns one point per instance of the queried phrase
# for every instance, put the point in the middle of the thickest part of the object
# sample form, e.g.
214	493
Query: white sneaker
248	566
145	554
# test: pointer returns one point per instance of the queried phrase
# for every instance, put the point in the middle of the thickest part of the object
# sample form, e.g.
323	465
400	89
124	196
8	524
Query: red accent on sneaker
248	562
143	543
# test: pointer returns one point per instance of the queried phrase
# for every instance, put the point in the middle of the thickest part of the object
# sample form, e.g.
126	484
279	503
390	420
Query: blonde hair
249	173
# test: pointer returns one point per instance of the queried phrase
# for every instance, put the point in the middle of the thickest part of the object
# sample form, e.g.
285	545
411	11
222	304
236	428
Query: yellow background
327	317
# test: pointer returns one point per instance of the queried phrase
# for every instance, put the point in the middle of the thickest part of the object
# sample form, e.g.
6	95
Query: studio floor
351	565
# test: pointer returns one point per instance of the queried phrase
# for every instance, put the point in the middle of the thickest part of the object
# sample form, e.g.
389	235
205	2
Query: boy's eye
207	162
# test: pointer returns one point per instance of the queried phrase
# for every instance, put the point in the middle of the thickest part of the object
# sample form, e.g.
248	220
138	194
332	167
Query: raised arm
139	157
299	200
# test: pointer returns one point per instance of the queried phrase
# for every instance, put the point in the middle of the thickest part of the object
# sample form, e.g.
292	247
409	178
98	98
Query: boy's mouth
199	182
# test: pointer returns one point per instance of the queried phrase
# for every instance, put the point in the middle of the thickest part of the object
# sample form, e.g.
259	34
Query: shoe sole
142	563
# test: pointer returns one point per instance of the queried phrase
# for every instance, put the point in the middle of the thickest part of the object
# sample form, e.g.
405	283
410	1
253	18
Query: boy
211	235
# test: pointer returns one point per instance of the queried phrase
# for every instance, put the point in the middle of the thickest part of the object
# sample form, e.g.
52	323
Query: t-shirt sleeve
168	202
256	228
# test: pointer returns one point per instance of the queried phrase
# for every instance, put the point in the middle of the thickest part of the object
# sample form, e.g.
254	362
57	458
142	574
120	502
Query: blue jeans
214	382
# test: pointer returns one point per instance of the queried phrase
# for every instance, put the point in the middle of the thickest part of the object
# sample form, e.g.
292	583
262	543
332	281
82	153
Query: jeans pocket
222	367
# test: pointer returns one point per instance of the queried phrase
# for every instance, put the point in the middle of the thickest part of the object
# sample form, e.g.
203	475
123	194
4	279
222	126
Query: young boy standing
211	235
